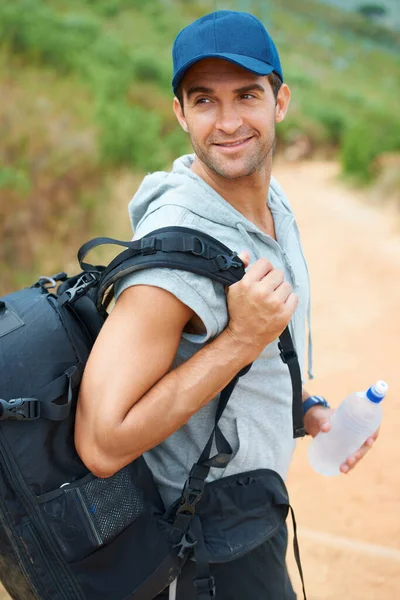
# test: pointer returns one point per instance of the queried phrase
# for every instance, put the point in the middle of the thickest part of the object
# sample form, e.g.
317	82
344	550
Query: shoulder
165	212
203	296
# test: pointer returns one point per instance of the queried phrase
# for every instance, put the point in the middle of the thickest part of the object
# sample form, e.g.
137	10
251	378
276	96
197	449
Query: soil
349	526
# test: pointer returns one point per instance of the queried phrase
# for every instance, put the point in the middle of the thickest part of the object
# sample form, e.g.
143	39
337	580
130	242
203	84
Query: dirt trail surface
349	526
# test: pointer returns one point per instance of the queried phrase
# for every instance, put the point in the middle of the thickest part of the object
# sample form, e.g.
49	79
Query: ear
179	114
282	103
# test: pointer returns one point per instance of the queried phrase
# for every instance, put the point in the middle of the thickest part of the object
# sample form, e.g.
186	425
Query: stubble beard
226	168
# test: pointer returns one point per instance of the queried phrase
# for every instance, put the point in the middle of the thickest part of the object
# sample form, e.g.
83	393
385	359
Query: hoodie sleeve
204	296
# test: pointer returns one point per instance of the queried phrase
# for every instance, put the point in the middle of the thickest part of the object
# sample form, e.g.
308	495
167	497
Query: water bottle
355	420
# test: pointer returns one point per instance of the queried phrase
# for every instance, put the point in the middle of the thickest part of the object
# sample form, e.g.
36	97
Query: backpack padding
138	263
178	239
177	248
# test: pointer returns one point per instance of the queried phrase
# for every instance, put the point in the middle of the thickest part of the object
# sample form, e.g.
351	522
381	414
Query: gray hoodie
258	420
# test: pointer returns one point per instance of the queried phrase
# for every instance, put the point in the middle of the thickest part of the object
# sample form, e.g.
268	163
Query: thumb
245	257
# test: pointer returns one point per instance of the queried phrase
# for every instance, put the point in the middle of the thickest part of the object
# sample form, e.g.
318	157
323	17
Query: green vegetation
82	41
372	11
85	87
381	133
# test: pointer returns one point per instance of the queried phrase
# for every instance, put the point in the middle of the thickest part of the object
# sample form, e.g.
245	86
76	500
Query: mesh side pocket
89	513
111	504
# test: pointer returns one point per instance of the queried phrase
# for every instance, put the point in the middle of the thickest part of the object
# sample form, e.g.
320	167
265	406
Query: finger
375	435
349	464
353	460
367	445
291	304
283	291
356	457
271	281
258	270
245	258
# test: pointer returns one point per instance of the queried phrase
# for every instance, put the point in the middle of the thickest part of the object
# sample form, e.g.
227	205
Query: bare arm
129	402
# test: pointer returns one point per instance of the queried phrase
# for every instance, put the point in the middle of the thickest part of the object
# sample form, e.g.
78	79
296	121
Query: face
230	115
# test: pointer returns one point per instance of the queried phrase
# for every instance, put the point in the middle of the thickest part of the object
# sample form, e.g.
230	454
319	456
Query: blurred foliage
85	87
365	139
130	134
372	11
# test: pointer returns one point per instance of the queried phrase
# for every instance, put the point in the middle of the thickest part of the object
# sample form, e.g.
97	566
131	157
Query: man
175	339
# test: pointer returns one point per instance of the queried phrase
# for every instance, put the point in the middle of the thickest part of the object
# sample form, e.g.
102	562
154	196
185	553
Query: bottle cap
377	392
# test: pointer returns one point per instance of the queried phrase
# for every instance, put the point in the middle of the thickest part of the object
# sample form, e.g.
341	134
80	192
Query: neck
247	194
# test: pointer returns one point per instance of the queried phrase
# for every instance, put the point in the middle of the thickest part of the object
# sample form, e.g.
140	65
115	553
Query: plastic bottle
355	420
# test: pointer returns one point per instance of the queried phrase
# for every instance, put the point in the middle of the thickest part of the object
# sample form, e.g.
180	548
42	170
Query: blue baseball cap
235	36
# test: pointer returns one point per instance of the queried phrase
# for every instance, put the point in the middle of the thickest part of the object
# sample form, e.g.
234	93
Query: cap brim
250	64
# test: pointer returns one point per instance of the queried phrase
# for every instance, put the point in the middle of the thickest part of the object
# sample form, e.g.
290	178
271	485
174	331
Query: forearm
130	401
170	403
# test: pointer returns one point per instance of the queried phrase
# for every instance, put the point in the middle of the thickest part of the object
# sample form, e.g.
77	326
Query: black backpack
67	535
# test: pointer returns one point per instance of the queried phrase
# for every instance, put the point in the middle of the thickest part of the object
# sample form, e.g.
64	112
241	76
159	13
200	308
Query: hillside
391	10
86	99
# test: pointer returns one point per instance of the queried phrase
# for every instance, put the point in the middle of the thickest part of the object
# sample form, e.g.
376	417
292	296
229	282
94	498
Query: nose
228	118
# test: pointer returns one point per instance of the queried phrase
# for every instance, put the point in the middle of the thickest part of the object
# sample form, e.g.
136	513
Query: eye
202	101
247	96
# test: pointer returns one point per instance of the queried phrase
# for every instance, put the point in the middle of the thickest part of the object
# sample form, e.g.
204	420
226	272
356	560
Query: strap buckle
286	355
223	262
205	585
193	490
186	545
190	498
20	409
85	281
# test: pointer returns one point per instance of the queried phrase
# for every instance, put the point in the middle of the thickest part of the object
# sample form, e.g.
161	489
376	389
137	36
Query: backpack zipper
43	558
31	506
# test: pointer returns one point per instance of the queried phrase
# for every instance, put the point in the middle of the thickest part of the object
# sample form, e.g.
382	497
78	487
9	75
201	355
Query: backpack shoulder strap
170	247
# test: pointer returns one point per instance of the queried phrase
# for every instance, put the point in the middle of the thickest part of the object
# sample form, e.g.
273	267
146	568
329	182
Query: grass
87	93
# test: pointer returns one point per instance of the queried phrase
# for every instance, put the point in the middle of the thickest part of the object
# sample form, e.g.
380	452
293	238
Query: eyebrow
249	88
198	89
205	90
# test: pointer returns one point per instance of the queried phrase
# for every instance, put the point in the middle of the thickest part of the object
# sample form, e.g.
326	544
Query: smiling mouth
233	144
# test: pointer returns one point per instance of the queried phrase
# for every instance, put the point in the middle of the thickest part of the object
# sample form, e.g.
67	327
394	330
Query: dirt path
349	526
